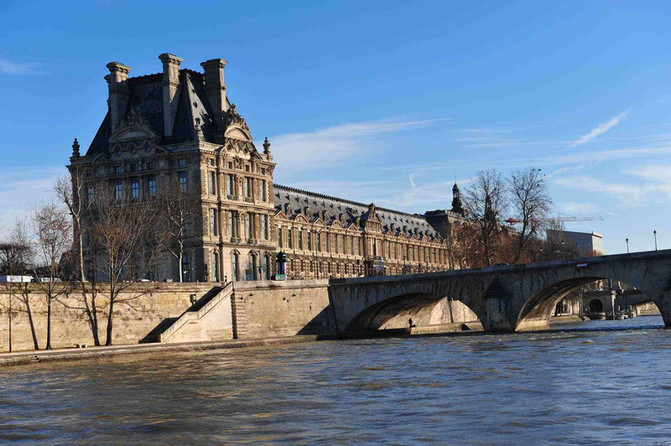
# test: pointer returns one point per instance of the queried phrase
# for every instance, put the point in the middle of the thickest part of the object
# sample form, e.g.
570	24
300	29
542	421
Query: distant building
588	243
180	126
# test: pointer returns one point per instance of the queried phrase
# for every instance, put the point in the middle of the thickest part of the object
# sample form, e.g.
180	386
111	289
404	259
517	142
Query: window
133	167
151	185
248	225
328	243
236	266
212	183
149	166
280	239
264	226
215	267
252	273
231	224
90	192
335	243
247	168
290	233
230	165
118	169
186	268
300	239
231	185
135	188
268	268
344	244
210	161
309	239
181	162
352	245
182	181
319	241
213	222
118	189
262	185
248	187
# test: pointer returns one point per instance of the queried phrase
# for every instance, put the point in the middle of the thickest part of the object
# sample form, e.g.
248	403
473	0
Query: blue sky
375	101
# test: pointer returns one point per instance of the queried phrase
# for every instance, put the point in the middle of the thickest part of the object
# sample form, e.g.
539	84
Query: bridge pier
496	317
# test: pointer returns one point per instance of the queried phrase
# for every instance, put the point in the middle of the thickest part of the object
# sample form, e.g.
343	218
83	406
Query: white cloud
627	194
332	146
8	67
579	208
599	129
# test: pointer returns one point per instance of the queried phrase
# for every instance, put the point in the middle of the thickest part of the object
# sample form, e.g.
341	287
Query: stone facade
180	126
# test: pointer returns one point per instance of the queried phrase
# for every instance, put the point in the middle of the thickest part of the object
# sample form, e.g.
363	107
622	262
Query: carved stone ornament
135	128
233	119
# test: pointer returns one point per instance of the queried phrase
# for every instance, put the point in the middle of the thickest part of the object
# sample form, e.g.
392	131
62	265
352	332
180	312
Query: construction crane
511	221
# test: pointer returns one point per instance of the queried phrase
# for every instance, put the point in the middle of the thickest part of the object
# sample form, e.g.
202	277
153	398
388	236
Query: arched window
251	272
235	261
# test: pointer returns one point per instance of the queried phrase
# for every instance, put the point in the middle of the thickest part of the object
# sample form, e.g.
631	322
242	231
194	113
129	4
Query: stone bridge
505	298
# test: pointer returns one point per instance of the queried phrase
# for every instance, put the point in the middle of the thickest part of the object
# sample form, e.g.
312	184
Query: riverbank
75	354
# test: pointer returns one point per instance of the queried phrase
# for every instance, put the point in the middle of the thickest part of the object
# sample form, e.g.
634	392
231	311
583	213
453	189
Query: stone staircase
239	318
209	319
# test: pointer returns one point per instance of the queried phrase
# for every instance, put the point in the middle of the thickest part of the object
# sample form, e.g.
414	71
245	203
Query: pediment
132	133
235	132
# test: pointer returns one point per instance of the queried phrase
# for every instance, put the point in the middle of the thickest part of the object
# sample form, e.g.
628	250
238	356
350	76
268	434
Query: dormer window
181	162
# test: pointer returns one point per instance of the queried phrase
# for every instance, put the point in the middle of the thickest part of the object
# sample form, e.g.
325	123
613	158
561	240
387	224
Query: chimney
118	92
215	89
170	87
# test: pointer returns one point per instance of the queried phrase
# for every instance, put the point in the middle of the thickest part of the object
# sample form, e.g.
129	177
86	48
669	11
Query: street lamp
627	241
655	234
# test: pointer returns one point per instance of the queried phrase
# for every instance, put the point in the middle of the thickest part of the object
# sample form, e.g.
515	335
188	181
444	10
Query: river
598	382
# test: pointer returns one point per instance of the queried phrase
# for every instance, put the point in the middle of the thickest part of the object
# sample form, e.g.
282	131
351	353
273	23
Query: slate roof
347	211
146	98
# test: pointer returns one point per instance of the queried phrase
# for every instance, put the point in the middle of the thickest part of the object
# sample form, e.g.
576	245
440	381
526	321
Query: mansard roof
146	100
347	212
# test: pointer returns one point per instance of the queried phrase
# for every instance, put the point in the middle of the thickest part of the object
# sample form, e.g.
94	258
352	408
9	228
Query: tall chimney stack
118	92
170	88
215	89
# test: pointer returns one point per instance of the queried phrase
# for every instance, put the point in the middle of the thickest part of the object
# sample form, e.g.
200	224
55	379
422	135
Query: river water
598	382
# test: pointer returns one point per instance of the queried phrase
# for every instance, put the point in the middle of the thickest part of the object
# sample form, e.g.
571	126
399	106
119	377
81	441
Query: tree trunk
91	314
48	346
110	323
179	261
31	322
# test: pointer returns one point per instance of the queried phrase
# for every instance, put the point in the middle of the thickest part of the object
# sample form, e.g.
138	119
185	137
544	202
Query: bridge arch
414	309
536	311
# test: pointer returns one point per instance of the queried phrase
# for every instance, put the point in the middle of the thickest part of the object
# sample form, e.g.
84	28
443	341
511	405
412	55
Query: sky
377	101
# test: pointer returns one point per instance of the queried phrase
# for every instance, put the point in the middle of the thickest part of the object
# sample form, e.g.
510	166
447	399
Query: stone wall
144	308
282	308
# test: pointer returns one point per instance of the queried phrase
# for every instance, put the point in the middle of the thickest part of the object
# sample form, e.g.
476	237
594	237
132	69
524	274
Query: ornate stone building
180	126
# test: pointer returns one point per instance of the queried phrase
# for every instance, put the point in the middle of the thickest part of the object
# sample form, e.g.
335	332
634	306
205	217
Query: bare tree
73	192
486	199
178	208
16	260
126	242
530	202
52	229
